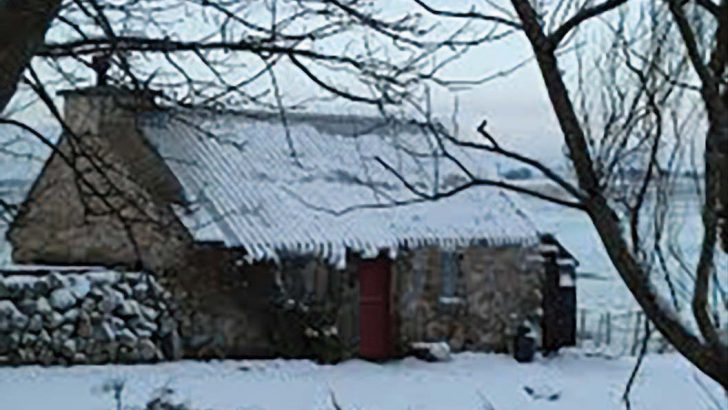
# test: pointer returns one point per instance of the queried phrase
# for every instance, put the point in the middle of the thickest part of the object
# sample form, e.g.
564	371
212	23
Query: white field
568	382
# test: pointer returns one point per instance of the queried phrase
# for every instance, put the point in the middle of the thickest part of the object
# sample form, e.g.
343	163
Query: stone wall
317	309
103	198
495	290
225	304
304	307
86	318
219	308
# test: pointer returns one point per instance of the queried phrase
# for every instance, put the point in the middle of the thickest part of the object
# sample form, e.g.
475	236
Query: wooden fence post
636	335
609	328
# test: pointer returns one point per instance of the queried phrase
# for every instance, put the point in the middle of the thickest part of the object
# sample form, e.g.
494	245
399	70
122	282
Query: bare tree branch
472	14
584	14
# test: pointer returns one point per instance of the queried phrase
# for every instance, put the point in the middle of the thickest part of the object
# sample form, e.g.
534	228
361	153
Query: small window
450	270
450	278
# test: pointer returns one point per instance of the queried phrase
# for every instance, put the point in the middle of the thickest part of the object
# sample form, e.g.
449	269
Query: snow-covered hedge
86	317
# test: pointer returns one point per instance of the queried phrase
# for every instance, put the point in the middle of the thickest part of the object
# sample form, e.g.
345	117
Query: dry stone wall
86	318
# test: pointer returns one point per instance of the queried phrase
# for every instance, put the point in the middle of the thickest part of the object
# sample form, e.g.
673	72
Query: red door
375	317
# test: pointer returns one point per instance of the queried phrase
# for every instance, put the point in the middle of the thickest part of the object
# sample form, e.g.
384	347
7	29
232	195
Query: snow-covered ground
570	381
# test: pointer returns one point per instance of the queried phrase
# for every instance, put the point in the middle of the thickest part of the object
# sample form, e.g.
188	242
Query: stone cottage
277	234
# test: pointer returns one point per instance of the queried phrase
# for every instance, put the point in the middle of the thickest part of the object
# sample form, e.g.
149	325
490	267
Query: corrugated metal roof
315	185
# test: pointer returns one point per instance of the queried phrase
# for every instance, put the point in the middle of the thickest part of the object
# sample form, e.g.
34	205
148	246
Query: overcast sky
515	106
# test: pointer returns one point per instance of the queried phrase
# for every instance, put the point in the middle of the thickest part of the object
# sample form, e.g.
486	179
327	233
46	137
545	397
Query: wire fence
616	333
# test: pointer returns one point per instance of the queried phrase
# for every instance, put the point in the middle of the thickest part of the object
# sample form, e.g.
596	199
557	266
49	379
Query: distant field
602	296
683	189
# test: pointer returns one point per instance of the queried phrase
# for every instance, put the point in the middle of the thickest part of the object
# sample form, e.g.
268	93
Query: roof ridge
324	121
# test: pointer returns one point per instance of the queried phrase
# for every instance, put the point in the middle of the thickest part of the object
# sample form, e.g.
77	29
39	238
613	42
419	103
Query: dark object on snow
548	395
431	352
558	323
524	345
101	64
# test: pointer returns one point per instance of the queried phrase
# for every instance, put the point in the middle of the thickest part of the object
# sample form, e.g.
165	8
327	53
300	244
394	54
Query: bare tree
631	121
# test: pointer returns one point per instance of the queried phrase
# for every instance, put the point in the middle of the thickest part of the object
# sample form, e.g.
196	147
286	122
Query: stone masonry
495	289
86	318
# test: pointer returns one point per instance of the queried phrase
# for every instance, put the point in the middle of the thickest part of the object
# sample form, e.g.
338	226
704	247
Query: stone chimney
97	110
112	114
66	222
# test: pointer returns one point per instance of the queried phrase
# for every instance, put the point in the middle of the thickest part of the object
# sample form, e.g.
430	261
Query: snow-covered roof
316	184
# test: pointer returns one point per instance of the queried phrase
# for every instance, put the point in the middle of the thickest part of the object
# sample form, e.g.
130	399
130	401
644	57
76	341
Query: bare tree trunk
709	358
23	26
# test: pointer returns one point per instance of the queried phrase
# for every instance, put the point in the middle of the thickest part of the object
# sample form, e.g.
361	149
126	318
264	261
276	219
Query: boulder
83	325
54	320
127	338
43	306
46	357
149	313
62	299
8	309
141	323
118	323
4	291
102	278
15	288
148	350
35	324
111	300
133	277
141	290
124	288
431	352
57	280
19	322
28	339
44	337
88	305
128	309
10	317
129	355
72	315
157	289
80	287
81	343
102	352
142	333
41	287
172	346
66	331
9	342
57	340
79	358
97	293
28	306
68	349
27	355
104	332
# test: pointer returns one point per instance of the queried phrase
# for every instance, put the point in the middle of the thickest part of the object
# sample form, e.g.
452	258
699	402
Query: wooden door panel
375	318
